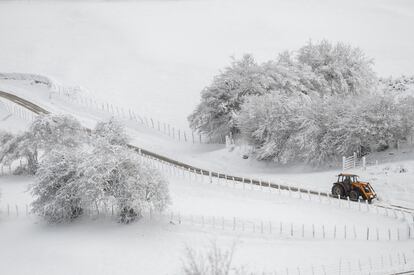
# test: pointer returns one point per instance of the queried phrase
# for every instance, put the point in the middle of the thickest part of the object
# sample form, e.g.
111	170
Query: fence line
18	110
247	184
285	229
384	264
167	129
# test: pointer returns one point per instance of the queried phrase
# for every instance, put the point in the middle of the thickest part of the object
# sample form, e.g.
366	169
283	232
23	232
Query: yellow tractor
348	185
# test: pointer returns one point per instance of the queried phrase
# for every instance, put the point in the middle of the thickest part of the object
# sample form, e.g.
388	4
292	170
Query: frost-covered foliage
287	76
98	171
315	70
285	129
5	137
345	69
270	123
51	131
221	100
58	194
398	84
46	133
121	178
112	130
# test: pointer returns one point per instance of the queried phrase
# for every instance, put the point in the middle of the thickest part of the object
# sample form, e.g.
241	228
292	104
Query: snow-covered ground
392	186
105	247
156	56
94	246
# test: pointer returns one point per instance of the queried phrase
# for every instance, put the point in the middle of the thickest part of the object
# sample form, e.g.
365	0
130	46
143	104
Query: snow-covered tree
270	124
46	133
57	192
123	179
285	129
5	137
112	130
383	121
345	69
221	101
72	180
286	75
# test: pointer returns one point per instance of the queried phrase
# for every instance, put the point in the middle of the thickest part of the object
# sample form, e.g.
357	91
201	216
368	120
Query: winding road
39	110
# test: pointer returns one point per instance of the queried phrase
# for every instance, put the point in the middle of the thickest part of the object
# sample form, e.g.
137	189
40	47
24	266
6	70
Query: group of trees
314	105
77	169
285	129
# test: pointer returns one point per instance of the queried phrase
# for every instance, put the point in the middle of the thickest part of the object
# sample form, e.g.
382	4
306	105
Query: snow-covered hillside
194	202
393	187
155	56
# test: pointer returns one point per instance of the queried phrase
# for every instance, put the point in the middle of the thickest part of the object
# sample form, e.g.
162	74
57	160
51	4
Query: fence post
355	159
343	163
364	163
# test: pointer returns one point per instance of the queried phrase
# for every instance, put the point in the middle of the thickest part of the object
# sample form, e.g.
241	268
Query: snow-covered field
154	56
157	246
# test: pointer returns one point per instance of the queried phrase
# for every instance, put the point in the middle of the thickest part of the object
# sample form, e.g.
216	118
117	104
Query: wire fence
247	184
81	97
17	110
391	263
385	264
75	97
240	226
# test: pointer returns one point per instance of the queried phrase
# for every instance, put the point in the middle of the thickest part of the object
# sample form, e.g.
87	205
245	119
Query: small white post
343	163
355	159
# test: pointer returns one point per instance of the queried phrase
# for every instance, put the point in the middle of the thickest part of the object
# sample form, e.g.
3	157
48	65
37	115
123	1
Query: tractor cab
349	185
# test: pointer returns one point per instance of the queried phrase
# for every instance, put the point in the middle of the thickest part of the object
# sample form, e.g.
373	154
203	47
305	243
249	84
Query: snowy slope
156	246
156	56
392	186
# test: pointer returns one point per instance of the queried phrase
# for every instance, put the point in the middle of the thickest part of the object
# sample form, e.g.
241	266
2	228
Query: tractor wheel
337	190
354	195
